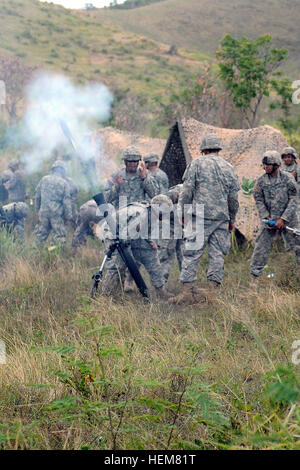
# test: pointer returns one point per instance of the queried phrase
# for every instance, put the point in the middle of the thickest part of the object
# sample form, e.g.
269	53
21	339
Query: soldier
87	215
275	195
168	247
144	250
289	157
133	182
53	203
14	215
212	182
74	196
151	160
15	182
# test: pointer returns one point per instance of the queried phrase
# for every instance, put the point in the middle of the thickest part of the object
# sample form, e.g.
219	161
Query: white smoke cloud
52	100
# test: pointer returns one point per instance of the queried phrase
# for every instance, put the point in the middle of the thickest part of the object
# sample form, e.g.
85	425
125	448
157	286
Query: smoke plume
54	103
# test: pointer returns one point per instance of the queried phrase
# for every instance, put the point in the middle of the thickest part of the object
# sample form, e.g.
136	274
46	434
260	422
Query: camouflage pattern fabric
16	213
217	238
167	250
275	197
161	181
86	216
133	187
136	216
16	186
53	203
74	195
263	246
295	169
211	181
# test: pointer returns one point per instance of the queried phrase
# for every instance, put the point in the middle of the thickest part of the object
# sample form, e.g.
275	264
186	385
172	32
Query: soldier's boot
129	284
212	290
162	293
190	294
254	283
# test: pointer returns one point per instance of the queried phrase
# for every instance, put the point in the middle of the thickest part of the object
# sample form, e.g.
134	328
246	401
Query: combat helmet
271	157
58	164
131	154
289	151
13	164
21	209
151	158
175	190
162	203
210	142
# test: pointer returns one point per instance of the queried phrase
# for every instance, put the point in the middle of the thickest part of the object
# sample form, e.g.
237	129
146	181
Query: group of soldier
140	189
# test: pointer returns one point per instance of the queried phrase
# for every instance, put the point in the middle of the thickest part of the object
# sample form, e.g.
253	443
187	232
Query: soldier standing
289	157
143	249
132	184
15	182
212	182
53	203
161	179
275	195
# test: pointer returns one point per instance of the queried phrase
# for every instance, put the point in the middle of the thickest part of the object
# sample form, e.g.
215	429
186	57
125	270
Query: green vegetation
104	374
247	69
52	37
199	25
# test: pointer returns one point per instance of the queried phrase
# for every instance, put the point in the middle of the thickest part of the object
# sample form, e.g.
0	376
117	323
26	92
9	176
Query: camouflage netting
243	148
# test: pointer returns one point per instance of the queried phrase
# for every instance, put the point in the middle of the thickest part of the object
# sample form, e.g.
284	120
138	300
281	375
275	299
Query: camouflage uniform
53	203
211	181
86	216
74	195
275	198
16	182
140	248
133	187
160	177
168	248
15	214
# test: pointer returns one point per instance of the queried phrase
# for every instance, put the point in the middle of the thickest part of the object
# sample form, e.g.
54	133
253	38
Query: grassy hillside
197	24
107	374
54	38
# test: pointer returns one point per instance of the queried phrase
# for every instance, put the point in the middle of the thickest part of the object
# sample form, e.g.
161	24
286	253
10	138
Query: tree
289	122
15	74
247	69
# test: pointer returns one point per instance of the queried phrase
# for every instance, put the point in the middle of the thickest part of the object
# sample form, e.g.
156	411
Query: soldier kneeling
144	250
13	216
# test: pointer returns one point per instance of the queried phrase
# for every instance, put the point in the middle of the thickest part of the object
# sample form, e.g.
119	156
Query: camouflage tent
243	148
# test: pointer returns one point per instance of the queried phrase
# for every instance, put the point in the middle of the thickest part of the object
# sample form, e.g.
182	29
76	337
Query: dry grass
107	374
